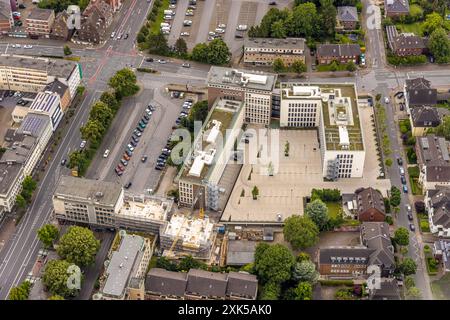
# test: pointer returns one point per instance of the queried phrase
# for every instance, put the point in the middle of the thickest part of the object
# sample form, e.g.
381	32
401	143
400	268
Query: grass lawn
441	288
154	29
334	208
416	189
415	27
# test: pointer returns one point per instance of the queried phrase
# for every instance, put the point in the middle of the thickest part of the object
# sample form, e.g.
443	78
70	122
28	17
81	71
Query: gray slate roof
338	50
425	116
398	6
242	284
344	255
347	13
206	283
166	283
40	14
375	235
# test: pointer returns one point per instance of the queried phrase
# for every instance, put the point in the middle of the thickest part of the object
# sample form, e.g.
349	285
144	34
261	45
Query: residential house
6	19
375	235
441	252
342	53
418	92
96	19
103	9
343	262
422	118
388	290
407	44
369	205
115	4
396	8
437	204
433	158
263	51
198	284
347	18
40	22
60	29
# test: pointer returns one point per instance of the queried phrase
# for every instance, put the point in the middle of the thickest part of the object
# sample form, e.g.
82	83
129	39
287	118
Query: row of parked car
137	133
405	190
187	105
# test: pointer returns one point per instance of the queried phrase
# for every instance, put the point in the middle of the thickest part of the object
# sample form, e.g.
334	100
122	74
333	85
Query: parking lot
296	175
208	15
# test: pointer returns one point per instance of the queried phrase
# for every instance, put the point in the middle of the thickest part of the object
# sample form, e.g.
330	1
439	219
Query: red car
120	167
118	172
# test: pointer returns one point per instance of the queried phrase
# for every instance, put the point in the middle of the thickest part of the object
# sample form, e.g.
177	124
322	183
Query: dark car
158	167
402	106
412	227
22	6
403	179
142	125
120	167
118	172
144	158
126	157
139	129
410	217
128	185
126	36
63	161
146	117
11	93
134	144
149	60
128	152
400	161
135	138
272	3
144	120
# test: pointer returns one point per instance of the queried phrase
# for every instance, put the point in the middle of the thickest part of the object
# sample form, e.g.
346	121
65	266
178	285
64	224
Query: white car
187	22
119	37
184	34
173	6
106	154
211	33
241	27
386	100
222	26
162	61
186	65
210	38
18	46
82	144
28	46
219	30
113	35
130	147
13	45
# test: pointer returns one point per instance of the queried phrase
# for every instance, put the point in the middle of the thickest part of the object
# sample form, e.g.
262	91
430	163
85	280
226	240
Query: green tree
351	66
401	236
439	45
67	50
78	246
413	293
432	22
304	291
255	192
93	131
304	20
408	266
165	263
395	196
298	67
48	234
278	30
305	271
181	46
443	130
303	256
278	65
334	66
21	202
21	292
56	276
409	282
388	162
300	232
218	52
157	44
328	17
102	112
110	100
317	211
124	83
271	291
56	297
188	262
200	52
274	264
29	184
78	159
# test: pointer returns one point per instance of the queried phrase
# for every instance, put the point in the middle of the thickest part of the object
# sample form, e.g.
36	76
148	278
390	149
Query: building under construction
184	235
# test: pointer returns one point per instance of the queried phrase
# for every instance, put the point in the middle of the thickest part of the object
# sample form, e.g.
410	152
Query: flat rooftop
8	174
58	68
81	189
192	231
121	265
222	116
144	208
264	43
340	114
241	78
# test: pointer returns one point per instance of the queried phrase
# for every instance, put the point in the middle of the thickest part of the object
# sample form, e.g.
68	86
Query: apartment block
437	203
30	74
253	88
333	109
263	51
128	263
48	103
6	19
40	22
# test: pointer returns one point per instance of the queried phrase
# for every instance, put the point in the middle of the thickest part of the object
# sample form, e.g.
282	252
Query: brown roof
403	41
369	198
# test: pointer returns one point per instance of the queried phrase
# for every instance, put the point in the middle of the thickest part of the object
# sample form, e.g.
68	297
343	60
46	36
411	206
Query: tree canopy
124	83
439	45
273	263
317	211
408	266
300	232
78	246
48	235
21	292
401	236
305	271
216	52
271	291
304	291
56	276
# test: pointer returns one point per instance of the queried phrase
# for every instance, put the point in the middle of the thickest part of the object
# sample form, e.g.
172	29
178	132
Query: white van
168	17
106	154
169	12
